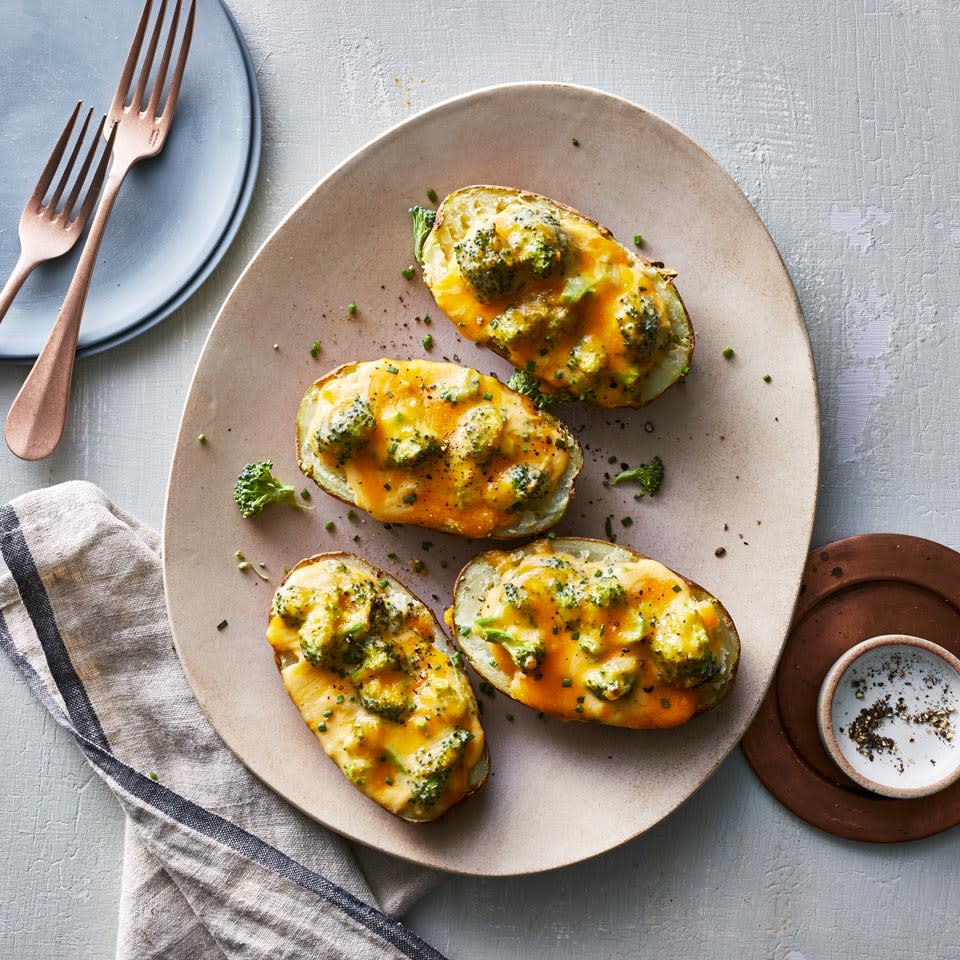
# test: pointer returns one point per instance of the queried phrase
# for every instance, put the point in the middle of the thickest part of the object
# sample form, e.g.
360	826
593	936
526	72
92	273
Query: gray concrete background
841	122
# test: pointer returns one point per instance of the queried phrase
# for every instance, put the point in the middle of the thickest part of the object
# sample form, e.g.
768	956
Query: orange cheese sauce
609	271
451	489
564	601
379	755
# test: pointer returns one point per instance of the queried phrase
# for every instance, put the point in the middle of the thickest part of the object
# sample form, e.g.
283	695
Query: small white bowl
870	712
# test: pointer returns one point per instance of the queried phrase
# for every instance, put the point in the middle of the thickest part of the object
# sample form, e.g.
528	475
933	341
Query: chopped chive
351	308
383	583
322	727
627	521
388	781
432	195
456	658
428	342
552	535
305	494
351	514
202	438
464	631
767	378
665	703
677	588
638	240
728	352
407	272
340	698
575	142
328	713
315	349
328	525
222	625
410	499
419	566
488	396
566	682
392	555
426	319
153	776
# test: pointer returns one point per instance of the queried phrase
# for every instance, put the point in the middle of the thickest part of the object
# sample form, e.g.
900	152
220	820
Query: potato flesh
364	745
453	487
590	635
583	353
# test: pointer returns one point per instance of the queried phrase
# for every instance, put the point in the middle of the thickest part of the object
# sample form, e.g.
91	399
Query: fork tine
137	100
65	176
123	86
171	102
94	189
36	198
97	182
160	79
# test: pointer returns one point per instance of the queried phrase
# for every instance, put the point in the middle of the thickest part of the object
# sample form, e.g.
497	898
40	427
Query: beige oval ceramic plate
741	458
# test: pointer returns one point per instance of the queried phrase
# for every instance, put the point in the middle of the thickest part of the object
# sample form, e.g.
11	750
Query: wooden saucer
853	589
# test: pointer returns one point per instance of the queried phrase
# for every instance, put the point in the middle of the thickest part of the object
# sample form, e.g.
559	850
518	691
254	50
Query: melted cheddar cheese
359	660
437	445
619	641
558	297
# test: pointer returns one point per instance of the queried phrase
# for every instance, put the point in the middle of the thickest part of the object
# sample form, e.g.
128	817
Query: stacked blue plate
176	215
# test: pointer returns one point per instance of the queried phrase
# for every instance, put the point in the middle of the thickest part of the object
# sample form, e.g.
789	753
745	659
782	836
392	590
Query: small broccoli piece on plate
349	429
411	447
257	488
431	769
423	221
648	475
613	679
682	651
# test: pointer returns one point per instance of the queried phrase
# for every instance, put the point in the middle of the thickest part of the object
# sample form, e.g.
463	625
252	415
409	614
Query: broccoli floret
527	655
411	447
529	386
433	767
606	591
357	770
483	264
534	319
257	488
568	594
536	242
682	651
587	361
423	221
648	475
467	389
389	699
591	645
612	680
478	435
640	327
322	644
385	617
514	595
292	603
526	482
349	429
377	656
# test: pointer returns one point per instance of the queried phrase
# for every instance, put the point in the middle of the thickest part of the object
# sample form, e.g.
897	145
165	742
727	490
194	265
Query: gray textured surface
840	122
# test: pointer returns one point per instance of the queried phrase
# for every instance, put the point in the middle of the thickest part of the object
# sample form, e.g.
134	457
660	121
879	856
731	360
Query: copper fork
49	230
39	411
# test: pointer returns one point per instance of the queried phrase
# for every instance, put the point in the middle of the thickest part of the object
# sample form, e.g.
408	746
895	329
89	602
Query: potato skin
440	640
526	195
337	488
477	657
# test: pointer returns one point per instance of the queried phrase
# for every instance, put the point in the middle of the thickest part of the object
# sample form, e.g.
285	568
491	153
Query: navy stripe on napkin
86	728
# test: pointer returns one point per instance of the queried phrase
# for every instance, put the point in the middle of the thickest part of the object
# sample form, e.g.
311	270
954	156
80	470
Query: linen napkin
215	864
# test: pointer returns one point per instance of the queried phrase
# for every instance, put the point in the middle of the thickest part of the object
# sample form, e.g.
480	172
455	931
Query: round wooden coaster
851	590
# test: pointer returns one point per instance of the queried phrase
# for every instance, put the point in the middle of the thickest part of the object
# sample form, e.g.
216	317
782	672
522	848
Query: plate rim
810	377
238	214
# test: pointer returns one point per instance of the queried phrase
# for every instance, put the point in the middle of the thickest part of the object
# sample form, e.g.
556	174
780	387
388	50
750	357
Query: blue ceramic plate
176	214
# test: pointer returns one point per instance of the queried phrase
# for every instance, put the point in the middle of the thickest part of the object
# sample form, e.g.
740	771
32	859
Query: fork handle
39	411
22	270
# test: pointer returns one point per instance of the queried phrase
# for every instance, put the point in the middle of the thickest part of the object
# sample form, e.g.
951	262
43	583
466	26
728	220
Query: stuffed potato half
588	630
554	293
437	445
378	683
